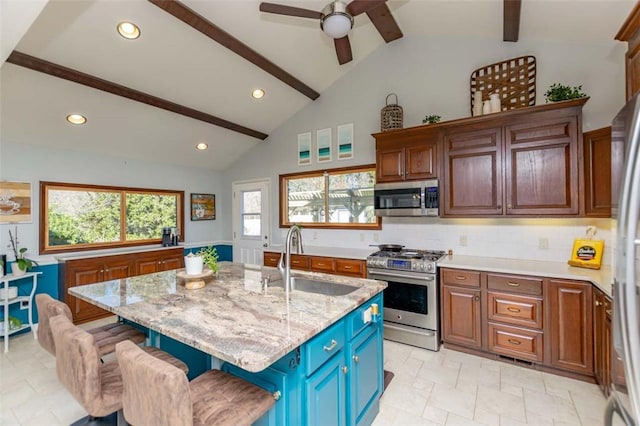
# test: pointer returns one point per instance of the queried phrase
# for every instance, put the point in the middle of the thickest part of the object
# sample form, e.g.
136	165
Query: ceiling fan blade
385	23
281	9
356	7
343	49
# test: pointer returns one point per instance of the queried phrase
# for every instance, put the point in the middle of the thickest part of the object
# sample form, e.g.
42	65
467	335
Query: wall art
323	140
345	141
304	149
203	206
15	202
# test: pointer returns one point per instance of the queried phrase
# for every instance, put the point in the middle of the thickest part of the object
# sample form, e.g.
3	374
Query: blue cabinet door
326	394
365	359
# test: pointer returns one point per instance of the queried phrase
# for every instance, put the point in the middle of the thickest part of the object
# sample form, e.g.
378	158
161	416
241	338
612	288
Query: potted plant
209	257
22	263
431	119
560	92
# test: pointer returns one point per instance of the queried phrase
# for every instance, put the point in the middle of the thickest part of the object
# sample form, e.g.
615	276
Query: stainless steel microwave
409	198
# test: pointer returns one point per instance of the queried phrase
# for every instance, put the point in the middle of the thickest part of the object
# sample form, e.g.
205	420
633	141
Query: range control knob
422	266
430	267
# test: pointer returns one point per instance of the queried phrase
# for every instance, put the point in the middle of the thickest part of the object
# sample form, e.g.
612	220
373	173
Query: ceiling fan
336	20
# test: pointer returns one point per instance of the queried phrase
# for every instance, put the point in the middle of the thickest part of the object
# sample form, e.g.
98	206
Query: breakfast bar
243	322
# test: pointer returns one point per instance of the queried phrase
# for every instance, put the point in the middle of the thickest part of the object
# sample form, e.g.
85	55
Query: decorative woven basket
391	115
514	79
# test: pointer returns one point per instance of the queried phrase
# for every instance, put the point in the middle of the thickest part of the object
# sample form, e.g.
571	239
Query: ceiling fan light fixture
336	22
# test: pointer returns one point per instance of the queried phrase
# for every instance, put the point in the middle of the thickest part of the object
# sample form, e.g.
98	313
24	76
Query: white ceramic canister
477	103
494	101
193	265
486	107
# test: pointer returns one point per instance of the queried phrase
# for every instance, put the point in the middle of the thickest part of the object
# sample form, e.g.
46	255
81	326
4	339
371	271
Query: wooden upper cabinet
597	172
408	154
541	167
630	33
472	172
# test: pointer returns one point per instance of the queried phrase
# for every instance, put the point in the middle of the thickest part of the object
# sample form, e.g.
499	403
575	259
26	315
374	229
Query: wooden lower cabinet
571	325
104	268
462	319
546	322
329	265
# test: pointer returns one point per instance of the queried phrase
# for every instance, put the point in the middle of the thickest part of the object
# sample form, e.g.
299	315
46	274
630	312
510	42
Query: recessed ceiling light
257	93
76	119
128	30
202	146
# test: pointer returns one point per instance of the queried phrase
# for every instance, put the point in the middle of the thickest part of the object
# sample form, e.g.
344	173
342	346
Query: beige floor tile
435	415
550	406
514	375
404	418
478	375
7	418
485	417
405	370
16	393
456	420
501	403
403	397
452	400
445	374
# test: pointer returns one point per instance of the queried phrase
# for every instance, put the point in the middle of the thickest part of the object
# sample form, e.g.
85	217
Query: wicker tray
514	79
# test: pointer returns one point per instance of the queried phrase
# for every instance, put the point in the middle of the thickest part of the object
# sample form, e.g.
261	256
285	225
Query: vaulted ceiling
178	84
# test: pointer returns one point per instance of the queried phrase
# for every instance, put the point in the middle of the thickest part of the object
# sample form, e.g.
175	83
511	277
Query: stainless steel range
411	301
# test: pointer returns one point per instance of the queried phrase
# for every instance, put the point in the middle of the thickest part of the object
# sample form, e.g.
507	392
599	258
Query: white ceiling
173	61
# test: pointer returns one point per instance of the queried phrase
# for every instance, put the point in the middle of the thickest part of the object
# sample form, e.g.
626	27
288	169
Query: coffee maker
166	237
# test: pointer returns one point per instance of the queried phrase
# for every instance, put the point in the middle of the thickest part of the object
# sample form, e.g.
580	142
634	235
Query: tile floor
429	388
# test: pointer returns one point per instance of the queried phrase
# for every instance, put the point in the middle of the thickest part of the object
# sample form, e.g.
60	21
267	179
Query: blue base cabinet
335	379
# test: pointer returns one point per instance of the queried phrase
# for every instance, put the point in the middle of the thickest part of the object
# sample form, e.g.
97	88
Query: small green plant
560	92
209	257
23	262
431	119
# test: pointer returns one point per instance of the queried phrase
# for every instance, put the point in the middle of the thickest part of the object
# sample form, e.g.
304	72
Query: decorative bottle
494	101
477	103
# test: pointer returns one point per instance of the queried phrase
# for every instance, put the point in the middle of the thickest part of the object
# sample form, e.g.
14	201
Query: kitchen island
321	355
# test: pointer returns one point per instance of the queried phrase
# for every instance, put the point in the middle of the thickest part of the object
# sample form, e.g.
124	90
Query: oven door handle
401	275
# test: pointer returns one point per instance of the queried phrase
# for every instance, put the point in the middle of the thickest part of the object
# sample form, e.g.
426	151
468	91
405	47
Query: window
87	217
337	198
251	213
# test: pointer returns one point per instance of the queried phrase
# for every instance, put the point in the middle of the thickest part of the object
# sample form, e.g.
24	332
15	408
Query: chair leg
110	420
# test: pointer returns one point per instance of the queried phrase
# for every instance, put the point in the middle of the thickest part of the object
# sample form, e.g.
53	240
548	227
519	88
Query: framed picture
203	206
15	202
345	141
323	140
304	149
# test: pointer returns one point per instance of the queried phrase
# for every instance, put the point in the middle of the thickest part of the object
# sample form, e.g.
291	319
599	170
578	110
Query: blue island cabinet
335	378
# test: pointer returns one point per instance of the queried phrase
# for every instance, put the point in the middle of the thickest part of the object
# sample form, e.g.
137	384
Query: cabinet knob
356	359
345	369
511	309
509	206
514	342
598	303
476	298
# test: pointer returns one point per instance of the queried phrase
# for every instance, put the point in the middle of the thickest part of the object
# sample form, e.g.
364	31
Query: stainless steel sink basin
327	288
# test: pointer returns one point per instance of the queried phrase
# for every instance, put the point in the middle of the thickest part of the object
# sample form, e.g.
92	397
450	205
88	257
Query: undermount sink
327	288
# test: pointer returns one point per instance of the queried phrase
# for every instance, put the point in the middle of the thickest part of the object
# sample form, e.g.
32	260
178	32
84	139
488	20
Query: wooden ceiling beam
40	65
206	27
511	20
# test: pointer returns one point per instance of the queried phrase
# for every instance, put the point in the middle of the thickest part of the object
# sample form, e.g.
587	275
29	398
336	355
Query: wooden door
541	167
462	316
173	262
473	172
597	172
147	265
421	161
571	325
390	165
88	273
117	269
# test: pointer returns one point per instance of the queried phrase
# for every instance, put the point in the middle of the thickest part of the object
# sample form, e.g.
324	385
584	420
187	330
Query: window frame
283	195
124	191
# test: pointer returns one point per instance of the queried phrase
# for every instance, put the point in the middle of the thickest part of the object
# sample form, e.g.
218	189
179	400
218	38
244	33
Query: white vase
494	101
16	271
193	265
486	107
477	103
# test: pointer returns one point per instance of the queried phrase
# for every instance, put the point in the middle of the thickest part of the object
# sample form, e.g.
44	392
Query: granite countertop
602	278
341	252
231	318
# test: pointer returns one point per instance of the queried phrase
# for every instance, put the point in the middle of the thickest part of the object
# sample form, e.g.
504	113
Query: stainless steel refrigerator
624	401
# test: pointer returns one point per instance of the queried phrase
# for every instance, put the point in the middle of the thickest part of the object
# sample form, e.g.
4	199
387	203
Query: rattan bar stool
158	394
106	336
95	385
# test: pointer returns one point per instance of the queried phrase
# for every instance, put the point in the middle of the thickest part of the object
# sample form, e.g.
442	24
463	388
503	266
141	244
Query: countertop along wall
431	76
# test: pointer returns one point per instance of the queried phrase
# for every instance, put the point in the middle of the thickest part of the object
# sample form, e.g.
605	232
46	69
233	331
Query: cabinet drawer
271	259
355	320
350	267
324	264
324	346
458	277
515	283
515	342
518	310
299	261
